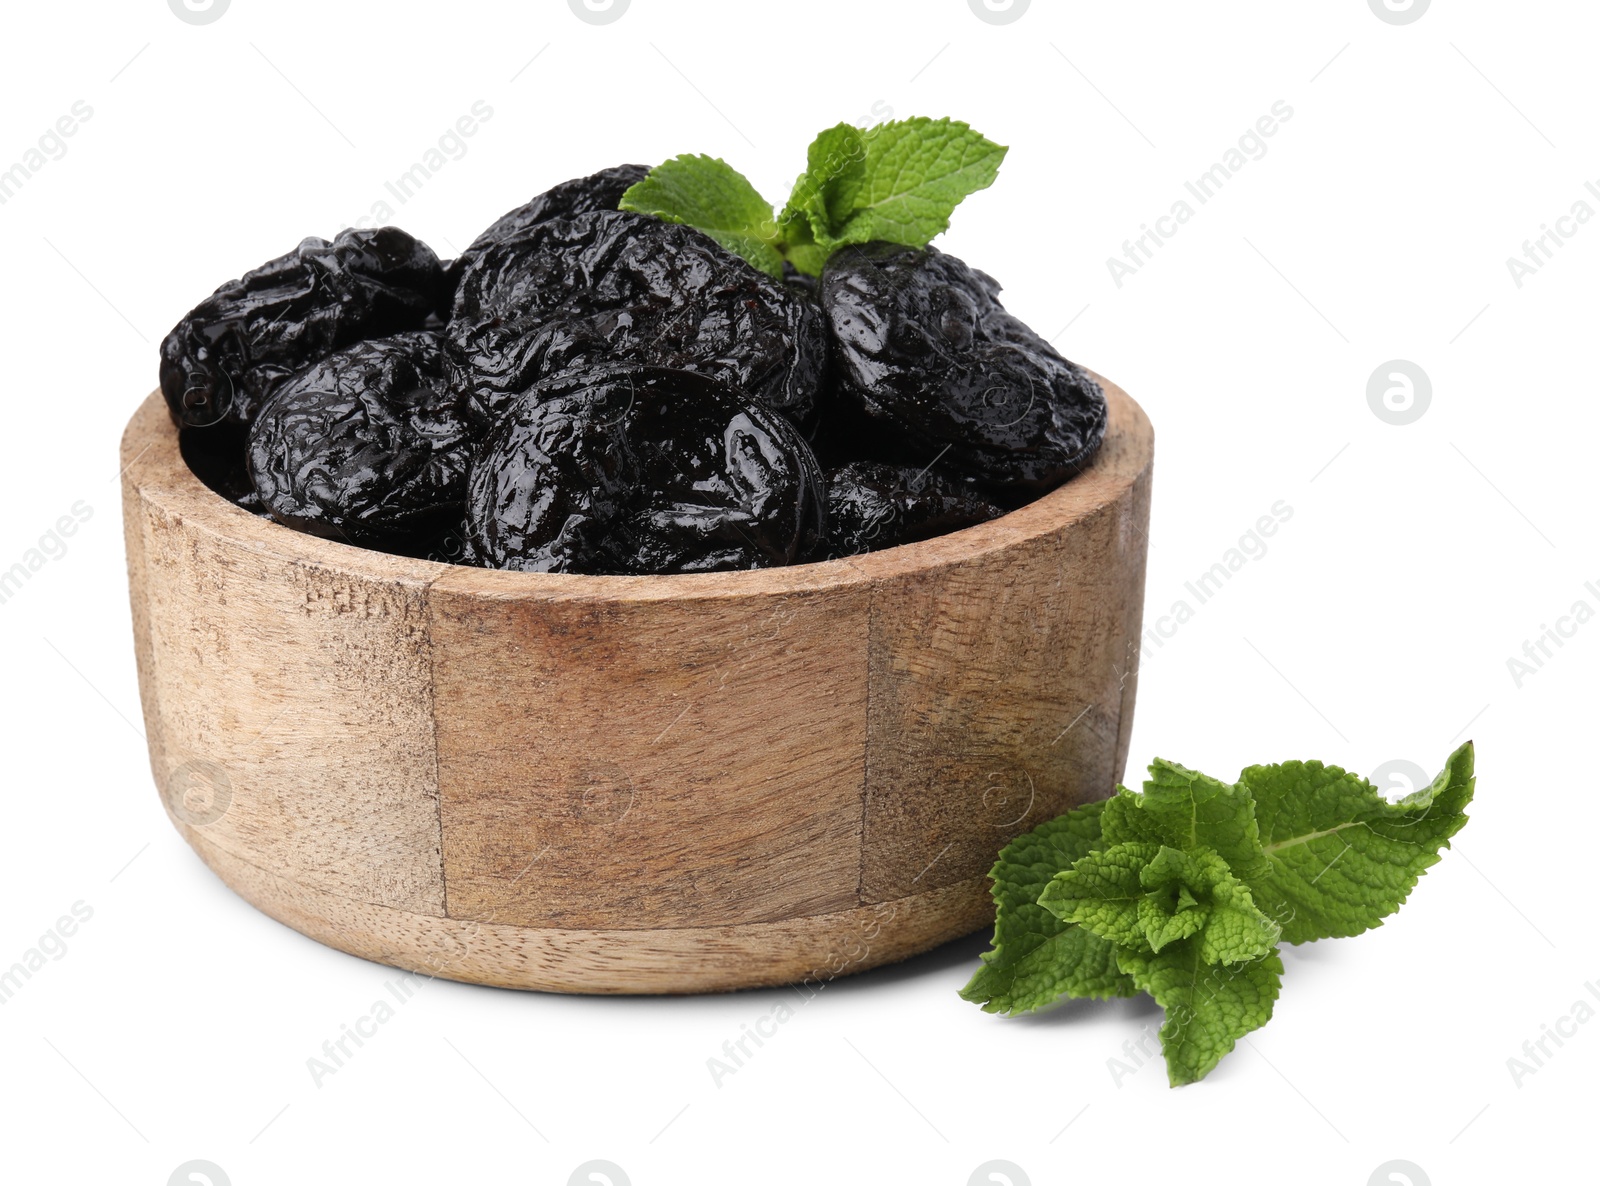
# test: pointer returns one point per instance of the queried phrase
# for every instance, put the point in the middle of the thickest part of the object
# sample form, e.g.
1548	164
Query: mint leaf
809	212
1125	822
911	175
1192	882
1147	896
1193	892
1183	808
1236	932
1102	892
1161	925
1340	857
710	195
1209	1006
898	181
1037	958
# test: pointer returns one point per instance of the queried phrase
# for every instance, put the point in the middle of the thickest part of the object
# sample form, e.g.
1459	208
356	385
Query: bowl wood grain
631	784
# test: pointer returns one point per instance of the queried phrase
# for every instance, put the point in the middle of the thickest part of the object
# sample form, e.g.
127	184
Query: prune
615	287
873	505
922	342
798	282
214	453
598	191
642	470
369	446
233	349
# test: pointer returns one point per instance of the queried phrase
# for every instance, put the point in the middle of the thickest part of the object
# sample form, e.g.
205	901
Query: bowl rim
154	470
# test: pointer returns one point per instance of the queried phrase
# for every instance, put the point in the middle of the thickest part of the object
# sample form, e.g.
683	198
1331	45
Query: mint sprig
710	195
1185	889
1037	958
898	181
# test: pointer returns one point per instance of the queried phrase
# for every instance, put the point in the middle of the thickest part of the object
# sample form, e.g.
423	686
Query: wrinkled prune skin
633	470
236	347
369	446
612	287
873	505
921	341
581	195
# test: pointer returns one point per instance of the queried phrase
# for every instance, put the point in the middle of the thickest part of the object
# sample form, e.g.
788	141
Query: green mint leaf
1340	858
808	214
710	195
1209	1006
912	174
1178	901
1037	958
807	257
1125	822
1185	809
1102	891
1148	896
898	181
1161	925
1236	932
1192	882
1196	893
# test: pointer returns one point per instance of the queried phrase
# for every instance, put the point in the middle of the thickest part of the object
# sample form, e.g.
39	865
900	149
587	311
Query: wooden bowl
631	784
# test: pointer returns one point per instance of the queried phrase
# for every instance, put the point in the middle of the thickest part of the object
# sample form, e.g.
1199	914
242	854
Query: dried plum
922	342
632	469
598	191
873	505
800	283
369	446
231	351
592	390
615	287
214	453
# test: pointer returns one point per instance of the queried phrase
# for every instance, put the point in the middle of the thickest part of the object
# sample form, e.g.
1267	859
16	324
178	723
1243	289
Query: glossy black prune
922	342
369	446
236	347
799	282
613	287
642	470
598	191
214	453
873	505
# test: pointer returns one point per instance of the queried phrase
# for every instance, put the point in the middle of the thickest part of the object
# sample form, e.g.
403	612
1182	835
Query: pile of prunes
589	390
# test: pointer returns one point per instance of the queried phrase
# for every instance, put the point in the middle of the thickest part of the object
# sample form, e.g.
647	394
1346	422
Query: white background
1377	626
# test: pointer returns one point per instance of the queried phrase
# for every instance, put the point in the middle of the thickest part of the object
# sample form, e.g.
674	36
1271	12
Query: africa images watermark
1135	1056
998	12
337	1052
598	12
199	1173
1540	649
51	944
417	970
1399	392
50	146
1540	250
198	12
1252	545
599	1173
451	145
1398	12
52	545
737	1052
1251	146
1536	1052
